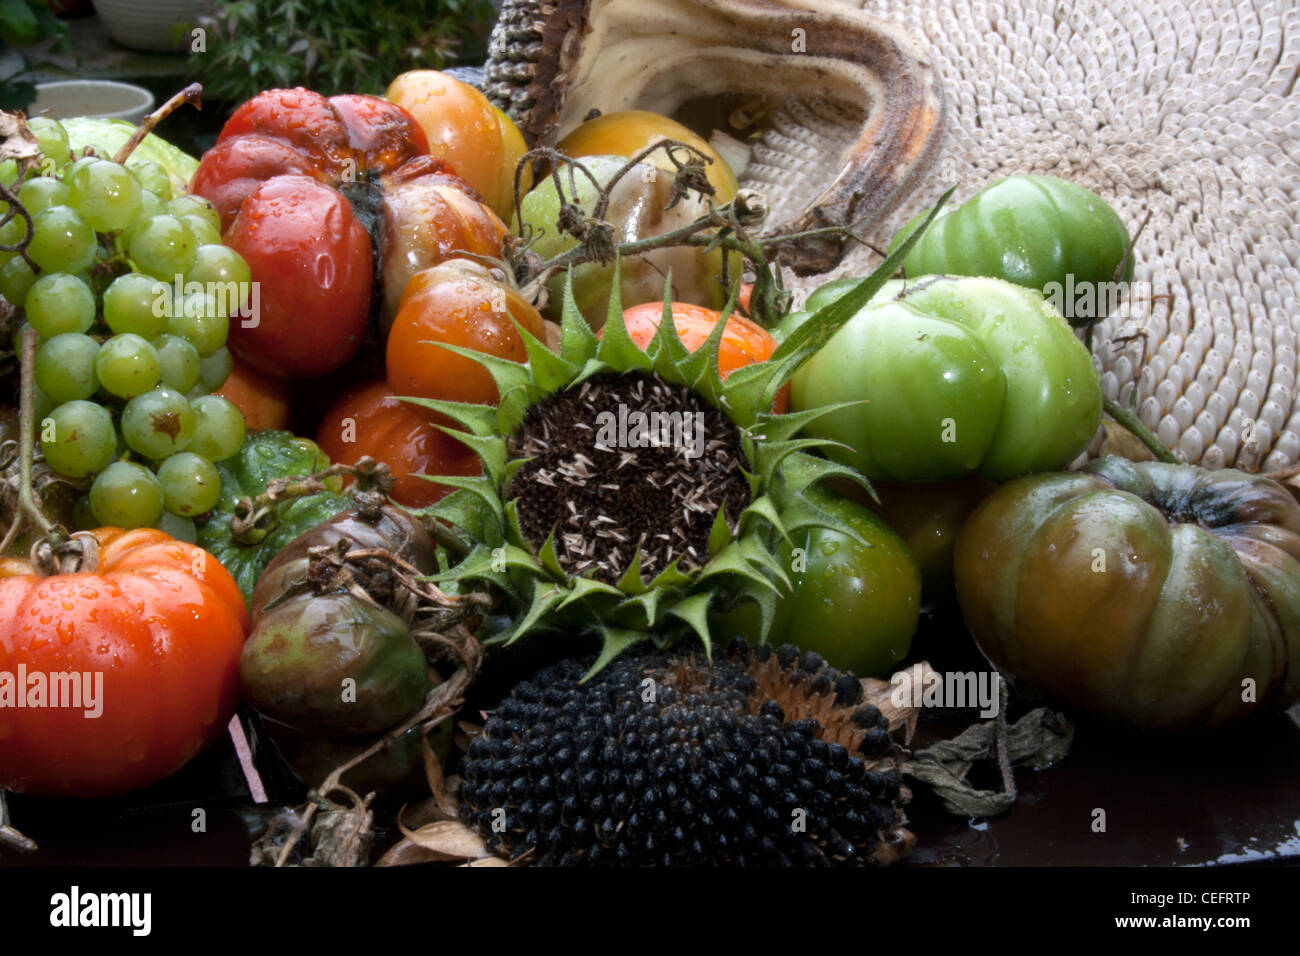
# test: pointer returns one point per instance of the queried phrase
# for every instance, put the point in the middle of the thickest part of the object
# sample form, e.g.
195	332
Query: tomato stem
191	94
1146	436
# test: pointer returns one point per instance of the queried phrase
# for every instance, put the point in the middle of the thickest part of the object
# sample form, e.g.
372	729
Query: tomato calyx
255	518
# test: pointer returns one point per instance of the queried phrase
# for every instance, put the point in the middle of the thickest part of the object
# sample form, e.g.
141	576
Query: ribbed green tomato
1035	231
953	375
1164	597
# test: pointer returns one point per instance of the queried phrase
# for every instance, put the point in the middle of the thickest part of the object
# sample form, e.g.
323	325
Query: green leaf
616	347
546	596
550	560
578	343
583	589
630	582
826	321
694	610
773	428
670	577
720	535
477	485
550	372
615	641
491	450
765	508
507	374
479	419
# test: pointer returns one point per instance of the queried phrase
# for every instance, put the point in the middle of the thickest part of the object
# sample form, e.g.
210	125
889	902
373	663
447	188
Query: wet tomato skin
311	259
370	420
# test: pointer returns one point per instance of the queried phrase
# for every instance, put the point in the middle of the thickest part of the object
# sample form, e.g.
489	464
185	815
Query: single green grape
153	178
190	483
220	264
220	430
204	232
126	495
163	247
42	192
77	438
58	303
9	172
53	140
214	369
158	423
65	366
178	362
16	280
200	319
81	162
127	366
138	303
195	206
107	194
62	240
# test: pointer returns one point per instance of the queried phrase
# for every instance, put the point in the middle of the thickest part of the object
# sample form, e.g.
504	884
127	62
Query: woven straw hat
1183	110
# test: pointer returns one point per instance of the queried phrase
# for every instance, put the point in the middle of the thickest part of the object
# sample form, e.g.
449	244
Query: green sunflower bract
677	601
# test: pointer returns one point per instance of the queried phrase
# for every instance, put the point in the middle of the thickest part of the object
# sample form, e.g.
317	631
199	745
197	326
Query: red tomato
161	623
263	400
458	303
743	342
311	259
235	167
302	118
368	420
382	132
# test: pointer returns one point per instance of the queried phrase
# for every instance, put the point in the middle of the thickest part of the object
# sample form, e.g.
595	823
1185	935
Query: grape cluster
127	359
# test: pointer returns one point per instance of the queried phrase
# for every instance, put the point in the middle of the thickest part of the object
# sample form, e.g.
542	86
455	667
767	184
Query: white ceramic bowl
151	24
106	98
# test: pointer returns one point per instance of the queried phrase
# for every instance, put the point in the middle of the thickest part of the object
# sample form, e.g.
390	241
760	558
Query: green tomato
952	375
788	323
855	604
1040	232
637	210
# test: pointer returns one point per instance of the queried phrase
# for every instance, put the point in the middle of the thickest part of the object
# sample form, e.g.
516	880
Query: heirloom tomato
127	668
456	303
1040	232
743	341
1161	597
369	420
952	375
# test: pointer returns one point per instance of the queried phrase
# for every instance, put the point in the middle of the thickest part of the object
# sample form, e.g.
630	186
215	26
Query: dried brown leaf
17	142
437	785
451	839
880	694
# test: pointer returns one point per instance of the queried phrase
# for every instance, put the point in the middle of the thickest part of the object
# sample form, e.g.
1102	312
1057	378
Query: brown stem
1146	436
191	94
10	837
27	506
16	208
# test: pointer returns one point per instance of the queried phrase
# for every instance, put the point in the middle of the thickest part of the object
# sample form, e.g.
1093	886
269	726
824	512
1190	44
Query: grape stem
191	94
28	509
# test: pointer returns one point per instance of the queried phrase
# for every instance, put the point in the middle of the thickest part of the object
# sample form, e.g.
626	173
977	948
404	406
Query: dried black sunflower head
762	757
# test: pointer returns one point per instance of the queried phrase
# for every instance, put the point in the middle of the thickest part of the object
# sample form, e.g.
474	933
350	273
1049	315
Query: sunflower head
632	493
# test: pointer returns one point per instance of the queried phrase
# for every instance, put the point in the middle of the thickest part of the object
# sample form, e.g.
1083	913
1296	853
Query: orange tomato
457	303
461	127
369	420
263	400
154	633
743	342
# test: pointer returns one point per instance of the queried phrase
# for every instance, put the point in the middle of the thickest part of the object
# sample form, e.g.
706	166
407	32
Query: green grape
190	483
214	369
65	366
42	403
57	303
195	206
16	279
204	232
42	192
200	319
150	206
14	231
107	194
77	438
220	430
138	303
163	247
9	172
62	240
127	366
178	362
158	423
153	178
53	140
217	263
182	529
81	162
126	495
